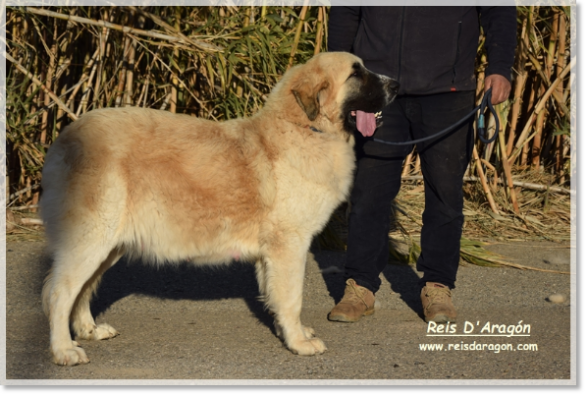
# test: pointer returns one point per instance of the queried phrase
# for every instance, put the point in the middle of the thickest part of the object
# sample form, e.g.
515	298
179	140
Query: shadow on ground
180	282
401	277
185	281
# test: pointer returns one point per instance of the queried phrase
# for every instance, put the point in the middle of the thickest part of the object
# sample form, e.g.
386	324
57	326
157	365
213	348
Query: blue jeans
378	180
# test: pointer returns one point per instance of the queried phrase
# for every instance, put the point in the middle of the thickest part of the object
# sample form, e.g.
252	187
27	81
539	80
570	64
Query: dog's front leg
261	272
285	280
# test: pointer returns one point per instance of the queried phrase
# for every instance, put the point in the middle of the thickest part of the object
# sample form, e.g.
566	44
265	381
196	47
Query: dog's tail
55	188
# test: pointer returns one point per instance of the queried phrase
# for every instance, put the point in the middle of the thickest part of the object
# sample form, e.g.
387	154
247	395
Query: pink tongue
366	123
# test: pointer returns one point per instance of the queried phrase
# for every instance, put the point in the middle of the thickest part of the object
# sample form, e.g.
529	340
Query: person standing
431	52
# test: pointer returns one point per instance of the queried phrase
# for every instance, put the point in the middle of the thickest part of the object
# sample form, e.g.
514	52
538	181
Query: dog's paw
97	332
104	331
71	356
309	347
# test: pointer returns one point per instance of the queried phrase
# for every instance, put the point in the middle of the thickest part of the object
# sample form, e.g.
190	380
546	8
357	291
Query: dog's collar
310	127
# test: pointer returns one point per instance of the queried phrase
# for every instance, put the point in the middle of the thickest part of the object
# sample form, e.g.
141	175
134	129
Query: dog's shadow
180	282
199	283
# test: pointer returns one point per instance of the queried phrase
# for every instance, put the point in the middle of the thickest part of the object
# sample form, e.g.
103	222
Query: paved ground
187	323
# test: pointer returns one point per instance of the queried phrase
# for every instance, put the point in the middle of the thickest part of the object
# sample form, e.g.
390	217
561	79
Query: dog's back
163	187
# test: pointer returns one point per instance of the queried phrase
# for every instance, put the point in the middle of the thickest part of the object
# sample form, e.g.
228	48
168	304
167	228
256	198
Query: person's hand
501	88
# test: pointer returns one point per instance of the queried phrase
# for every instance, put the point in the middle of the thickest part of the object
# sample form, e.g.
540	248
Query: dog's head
334	85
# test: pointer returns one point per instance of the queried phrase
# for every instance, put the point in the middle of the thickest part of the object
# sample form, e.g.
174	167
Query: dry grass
544	216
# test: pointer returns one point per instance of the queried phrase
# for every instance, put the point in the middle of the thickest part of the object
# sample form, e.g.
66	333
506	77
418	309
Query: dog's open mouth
365	122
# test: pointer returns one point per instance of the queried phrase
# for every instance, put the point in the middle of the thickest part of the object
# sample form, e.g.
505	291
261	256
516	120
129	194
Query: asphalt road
188	323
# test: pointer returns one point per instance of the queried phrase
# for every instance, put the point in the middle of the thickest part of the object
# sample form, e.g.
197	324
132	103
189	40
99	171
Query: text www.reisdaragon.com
474	346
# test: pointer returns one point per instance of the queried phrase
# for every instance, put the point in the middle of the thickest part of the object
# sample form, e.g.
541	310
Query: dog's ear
307	94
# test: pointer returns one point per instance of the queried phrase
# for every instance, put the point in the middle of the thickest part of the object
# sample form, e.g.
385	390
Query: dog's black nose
393	86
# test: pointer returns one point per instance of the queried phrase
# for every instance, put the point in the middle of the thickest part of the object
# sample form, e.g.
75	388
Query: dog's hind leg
82	320
72	269
285	280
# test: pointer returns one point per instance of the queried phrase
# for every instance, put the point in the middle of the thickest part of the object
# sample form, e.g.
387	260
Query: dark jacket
427	49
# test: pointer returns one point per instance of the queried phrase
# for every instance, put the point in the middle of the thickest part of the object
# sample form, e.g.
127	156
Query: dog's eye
356	74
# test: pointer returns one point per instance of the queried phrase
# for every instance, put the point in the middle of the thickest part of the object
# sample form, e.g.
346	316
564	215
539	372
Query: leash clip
481	122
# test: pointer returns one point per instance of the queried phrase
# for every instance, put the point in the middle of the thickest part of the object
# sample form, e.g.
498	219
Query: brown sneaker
437	303
356	303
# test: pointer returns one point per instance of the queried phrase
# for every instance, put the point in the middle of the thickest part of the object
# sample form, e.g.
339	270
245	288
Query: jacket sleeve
500	27
343	24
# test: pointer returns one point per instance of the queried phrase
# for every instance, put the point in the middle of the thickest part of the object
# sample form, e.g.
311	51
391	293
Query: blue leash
485	103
